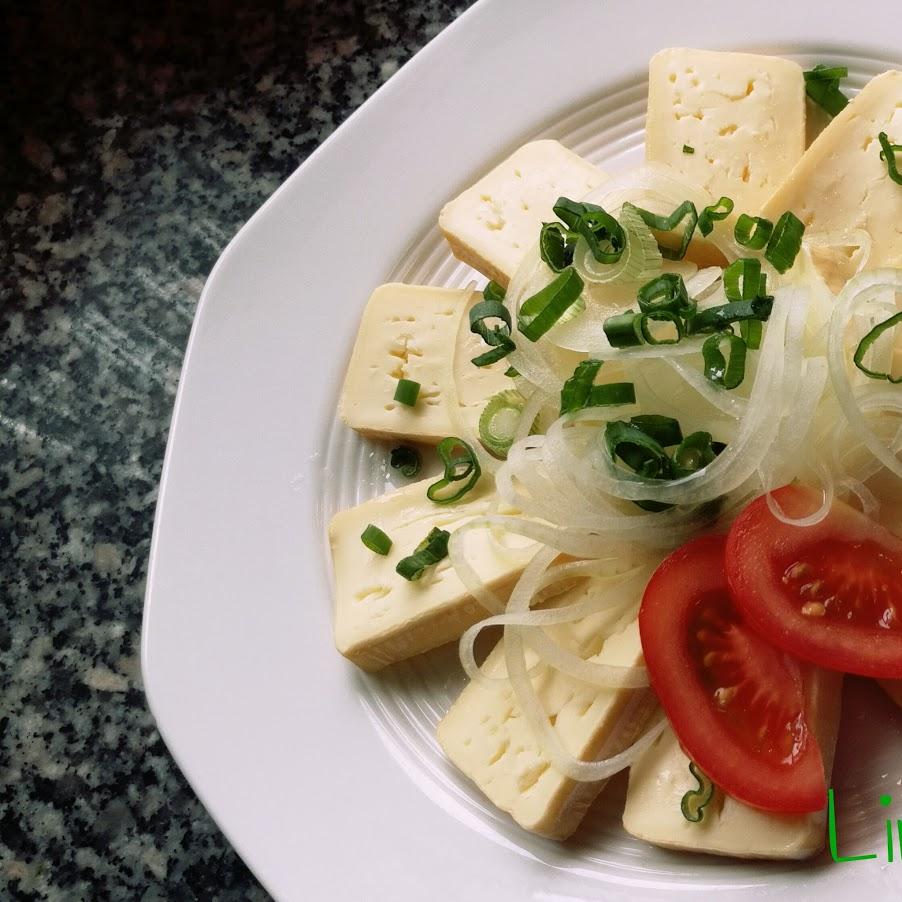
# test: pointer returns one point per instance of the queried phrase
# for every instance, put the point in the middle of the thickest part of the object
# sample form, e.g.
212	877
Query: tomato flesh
830	593
736	703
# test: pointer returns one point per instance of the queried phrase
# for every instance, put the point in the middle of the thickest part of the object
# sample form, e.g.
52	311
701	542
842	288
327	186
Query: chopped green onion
822	86
715	213
499	421
621	330
643	321
688	149
785	242
685	211
376	540
865	344
541	311
461	465
407	391
553	246
693	803
493	292
497	337
638	450
511	372
751	331
752	231
888	155
570	211
665	292
715	319
664	430
603	234
406	460
742	280
719	370
579	390
695	451
430	551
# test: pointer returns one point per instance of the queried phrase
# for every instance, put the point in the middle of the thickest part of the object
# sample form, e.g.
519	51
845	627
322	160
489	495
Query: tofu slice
486	737
841	183
380	617
492	224
659	779
410	332
743	114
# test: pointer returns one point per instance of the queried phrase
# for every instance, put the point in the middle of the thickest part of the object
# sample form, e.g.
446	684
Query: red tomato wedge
830	593
735	702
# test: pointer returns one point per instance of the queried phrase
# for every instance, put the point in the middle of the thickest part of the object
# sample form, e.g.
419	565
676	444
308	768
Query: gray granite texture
132	147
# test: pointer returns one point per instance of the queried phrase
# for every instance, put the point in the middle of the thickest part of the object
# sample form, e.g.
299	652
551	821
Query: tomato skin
677	596
847	552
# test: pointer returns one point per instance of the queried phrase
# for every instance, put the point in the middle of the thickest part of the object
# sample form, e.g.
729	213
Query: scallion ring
376	540
603	234
666	431
554	248
727	372
461	466
638	450
865	345
644	321
541	311
406	460
498	421
888	155
620	330
665	292
665	224
407	391
751	331
785	242
822	86
493	292
752	232
429	552
693	803
694	452
742	279
497	337
714	213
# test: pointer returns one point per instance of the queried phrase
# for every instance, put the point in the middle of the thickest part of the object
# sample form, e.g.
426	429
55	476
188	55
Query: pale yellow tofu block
841	183
410	332
380	617
660	778
492	224
742	113
485	735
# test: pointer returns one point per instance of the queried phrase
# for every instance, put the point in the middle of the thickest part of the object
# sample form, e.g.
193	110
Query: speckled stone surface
131	150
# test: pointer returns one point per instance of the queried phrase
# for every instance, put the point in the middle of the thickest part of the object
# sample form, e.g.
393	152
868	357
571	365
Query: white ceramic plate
328	782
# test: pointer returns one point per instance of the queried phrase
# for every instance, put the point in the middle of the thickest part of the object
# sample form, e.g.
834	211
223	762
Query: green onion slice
643	324
694	452
570	211
461	466
822	86
686	211
716	319
603	234
715	213
742	280
554	248
496	336
493	292
541	311
430	551
579	390
407	391
499	421
665	292
751	331
511	372
720	370
376	540
785	242
638	450
888	155
688	149
865	344
666	431
406	460
752	232
693	803
621	330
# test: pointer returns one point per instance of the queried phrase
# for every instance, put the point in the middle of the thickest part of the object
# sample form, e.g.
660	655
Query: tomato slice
736	703
830	593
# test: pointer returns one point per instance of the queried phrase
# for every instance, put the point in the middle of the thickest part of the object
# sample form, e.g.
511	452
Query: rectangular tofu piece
743	115
486	737
410	332
380	617
841	183
660	778
492	224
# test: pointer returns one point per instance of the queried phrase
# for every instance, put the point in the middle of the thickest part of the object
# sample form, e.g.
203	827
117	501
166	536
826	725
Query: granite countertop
132	150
